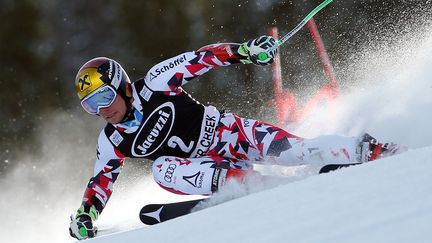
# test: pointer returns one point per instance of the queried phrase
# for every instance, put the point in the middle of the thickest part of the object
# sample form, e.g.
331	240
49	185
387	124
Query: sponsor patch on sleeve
116	138
146	93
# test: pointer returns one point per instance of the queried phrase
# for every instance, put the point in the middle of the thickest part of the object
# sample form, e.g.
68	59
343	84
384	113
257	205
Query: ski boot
370	149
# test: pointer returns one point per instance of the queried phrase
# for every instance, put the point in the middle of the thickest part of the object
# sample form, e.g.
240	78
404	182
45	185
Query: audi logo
169	172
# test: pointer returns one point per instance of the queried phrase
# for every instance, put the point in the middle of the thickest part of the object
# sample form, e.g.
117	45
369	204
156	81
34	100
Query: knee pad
183	175
194	176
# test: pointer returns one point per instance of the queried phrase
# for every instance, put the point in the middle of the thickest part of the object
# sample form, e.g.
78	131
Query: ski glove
81	226
260	51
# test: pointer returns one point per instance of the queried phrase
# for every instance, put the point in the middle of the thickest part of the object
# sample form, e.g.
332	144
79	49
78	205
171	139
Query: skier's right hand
81	226
260	51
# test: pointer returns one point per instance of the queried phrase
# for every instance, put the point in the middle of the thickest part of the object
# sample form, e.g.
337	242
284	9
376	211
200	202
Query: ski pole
263	55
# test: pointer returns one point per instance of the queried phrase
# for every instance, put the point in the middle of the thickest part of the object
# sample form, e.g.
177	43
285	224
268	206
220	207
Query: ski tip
150	214
156	213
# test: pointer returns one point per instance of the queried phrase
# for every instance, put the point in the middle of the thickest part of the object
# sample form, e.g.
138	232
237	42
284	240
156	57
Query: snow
384	201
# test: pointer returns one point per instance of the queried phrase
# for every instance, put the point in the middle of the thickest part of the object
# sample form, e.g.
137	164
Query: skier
196	149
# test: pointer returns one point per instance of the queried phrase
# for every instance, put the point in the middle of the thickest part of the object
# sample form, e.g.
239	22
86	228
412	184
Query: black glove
261	51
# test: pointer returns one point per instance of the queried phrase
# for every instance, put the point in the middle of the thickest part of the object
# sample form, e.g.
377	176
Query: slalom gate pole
277	80
286	105
325	60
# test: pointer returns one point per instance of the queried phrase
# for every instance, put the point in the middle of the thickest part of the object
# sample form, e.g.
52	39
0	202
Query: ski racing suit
197	148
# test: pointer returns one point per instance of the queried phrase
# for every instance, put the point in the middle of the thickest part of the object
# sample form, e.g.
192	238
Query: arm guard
169	75
100	187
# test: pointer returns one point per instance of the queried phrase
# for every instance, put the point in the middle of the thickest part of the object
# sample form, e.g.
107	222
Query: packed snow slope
383	201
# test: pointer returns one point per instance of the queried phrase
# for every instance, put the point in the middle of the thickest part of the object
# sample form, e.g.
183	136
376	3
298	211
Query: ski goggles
100	98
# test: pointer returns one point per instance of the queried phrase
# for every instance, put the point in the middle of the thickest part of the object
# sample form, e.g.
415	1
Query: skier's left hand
81	227
262	50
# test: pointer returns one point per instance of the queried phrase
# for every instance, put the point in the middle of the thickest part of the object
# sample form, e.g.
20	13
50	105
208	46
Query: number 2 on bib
175	141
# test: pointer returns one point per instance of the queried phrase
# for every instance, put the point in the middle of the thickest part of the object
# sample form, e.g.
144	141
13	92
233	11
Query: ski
152	214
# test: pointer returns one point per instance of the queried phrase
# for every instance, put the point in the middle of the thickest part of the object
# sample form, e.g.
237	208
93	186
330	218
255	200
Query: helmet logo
85	82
